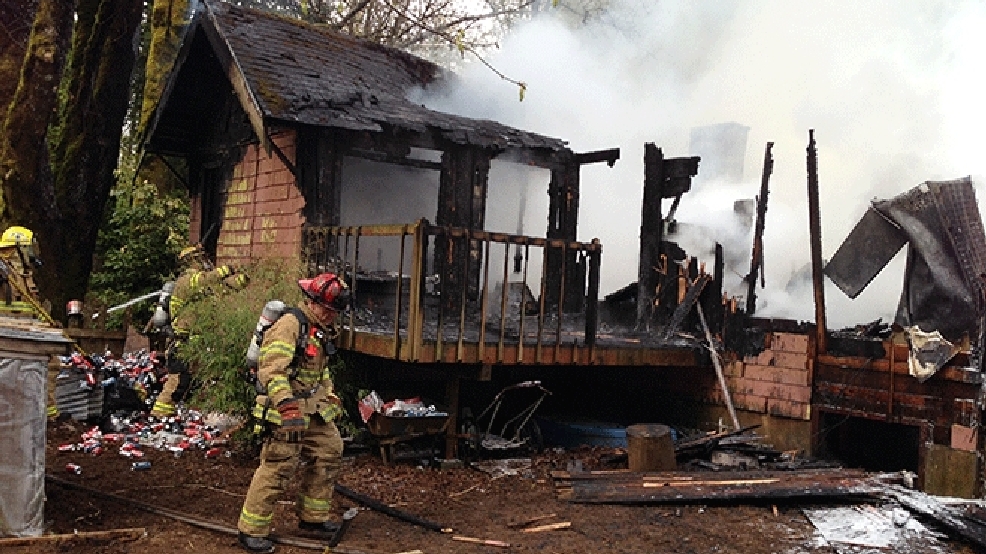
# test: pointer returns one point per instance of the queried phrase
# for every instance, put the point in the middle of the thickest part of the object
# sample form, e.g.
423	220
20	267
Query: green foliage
137	247
223	324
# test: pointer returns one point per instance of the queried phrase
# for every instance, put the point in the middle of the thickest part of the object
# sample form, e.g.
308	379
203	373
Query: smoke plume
892	90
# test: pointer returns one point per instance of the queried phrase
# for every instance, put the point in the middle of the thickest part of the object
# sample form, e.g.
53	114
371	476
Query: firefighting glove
292	421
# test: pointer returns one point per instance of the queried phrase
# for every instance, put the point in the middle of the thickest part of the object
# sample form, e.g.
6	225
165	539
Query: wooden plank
530	520
549	527
952	372
485	542
131	534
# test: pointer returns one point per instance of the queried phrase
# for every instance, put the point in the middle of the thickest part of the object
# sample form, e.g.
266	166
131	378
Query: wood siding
263	208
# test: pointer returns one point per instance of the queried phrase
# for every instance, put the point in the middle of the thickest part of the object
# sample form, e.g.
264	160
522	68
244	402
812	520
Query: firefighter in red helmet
301	406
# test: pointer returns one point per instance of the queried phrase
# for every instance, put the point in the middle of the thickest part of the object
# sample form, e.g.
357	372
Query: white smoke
892	89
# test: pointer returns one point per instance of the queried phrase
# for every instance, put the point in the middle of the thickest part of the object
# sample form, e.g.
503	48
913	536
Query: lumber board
130	534
638	488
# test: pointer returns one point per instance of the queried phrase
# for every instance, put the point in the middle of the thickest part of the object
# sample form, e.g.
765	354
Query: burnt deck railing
447	305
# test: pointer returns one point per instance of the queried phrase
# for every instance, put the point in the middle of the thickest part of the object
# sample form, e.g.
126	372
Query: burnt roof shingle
308	74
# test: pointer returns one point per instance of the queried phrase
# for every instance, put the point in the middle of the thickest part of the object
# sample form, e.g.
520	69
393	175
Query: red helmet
326	289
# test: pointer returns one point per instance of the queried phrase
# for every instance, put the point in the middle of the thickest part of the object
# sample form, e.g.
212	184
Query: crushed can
67	447
212	453
73	468
140	466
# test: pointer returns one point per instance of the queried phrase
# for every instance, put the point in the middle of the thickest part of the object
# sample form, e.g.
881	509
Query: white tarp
22	434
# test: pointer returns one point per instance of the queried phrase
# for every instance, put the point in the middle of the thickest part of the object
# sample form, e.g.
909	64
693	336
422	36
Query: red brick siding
777	381
262	216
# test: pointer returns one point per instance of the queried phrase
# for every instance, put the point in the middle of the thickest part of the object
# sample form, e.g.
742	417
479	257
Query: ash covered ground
475	503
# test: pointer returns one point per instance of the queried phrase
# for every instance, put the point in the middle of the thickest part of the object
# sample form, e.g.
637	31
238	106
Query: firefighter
301	408
196	282
20	254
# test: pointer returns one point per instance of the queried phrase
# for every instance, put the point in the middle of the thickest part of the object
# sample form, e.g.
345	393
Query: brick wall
262	216
777	382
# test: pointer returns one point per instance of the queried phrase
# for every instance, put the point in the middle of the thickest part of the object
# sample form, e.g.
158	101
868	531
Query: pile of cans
132	434
131	381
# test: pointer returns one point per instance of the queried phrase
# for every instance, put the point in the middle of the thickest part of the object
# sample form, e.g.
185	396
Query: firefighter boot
325	527
256	544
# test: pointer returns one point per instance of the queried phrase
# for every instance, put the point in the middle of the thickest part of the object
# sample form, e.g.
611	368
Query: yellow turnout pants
321	450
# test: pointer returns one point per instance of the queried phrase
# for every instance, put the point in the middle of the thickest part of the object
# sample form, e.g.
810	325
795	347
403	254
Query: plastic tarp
22	434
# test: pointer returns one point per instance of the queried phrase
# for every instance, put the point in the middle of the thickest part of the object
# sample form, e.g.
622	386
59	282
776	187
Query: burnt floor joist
688	487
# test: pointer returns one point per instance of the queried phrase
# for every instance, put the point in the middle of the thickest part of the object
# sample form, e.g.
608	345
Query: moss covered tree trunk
86	141
16	19
25	176
61	193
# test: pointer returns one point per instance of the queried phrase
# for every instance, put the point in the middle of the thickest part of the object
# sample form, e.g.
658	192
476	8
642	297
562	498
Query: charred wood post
320	180
461	203
663	178
563	221
815	228
756	260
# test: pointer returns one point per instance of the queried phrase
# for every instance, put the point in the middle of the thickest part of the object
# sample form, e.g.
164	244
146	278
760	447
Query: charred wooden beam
663	178
688	487
815	229
685	307
756	259
462	193
385	157
609	156
562	271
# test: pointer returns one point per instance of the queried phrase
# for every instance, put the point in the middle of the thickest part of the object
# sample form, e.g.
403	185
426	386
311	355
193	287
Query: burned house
303	144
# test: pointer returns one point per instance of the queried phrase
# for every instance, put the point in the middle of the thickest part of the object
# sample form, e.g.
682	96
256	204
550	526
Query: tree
56	178
16	17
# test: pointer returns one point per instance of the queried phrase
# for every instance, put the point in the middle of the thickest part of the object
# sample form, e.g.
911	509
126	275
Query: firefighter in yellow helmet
197	281
20	254
302	408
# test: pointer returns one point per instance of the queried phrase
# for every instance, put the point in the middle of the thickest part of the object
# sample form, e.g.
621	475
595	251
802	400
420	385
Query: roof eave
234	72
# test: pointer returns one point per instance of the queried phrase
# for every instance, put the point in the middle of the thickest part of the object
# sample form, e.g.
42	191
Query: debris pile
410	407
131	435
91	386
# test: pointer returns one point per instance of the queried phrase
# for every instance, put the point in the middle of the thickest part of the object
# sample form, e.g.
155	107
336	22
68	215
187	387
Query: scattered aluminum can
212	453
67	448
96	451
73	468
140	466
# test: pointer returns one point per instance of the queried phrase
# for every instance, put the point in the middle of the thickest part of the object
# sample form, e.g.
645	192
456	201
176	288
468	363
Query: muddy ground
472	502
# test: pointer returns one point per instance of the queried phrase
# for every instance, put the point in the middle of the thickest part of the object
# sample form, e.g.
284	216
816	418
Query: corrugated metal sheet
74	398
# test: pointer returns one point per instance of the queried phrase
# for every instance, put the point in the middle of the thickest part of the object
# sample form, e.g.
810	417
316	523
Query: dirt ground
472	502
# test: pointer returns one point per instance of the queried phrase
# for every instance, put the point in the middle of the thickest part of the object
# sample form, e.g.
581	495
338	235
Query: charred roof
289	71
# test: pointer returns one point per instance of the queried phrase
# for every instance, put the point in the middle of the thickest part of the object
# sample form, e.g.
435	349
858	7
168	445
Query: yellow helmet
194	256
189	253
16	236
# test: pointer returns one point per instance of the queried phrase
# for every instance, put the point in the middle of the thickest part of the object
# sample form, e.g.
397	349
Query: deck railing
452	293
